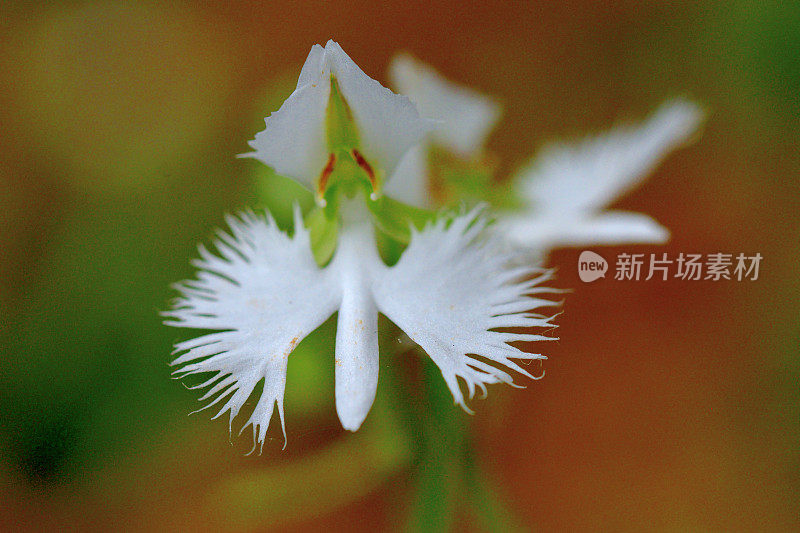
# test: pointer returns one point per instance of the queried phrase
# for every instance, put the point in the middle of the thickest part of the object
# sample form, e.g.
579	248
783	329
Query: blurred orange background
666	406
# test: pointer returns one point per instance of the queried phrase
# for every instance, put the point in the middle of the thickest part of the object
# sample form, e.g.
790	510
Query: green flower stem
448	478
435	502
485	501
344	471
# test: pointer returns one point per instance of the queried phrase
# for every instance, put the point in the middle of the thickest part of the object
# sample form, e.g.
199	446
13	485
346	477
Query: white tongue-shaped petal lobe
356	349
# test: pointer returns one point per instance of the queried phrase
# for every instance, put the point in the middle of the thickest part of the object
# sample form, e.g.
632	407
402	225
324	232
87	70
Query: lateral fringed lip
264	293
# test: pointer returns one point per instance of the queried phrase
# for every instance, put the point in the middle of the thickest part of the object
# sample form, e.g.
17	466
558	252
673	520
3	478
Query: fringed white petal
294	143
262	295
592	173
464	116
451	291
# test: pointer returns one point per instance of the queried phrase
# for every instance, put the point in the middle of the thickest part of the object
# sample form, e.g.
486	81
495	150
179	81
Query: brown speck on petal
292	346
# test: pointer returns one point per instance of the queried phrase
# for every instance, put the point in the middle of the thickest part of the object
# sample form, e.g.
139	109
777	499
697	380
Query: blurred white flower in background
565	189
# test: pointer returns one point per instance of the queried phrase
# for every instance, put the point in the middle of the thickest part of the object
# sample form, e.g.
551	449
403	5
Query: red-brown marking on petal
365	166
326	173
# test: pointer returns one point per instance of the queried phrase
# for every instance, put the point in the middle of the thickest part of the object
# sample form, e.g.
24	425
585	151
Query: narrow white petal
609	228
619	227
450	292
357	329
592	173
388	124
263	296
409	183
465	116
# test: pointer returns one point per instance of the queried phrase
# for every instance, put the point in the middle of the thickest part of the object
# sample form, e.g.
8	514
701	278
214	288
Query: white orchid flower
464	118
450	292
566	187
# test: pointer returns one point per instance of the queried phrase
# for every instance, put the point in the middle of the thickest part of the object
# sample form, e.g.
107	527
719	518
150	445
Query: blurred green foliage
120	125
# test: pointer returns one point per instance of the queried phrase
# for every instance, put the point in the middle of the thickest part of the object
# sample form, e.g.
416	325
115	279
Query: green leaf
467	181
485	502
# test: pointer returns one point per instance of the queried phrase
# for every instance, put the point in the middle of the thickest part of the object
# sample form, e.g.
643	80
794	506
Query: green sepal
469	181
389	249
278	194
323	232
396	218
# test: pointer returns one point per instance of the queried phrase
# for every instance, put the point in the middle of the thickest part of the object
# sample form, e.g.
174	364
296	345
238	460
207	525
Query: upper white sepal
294	142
